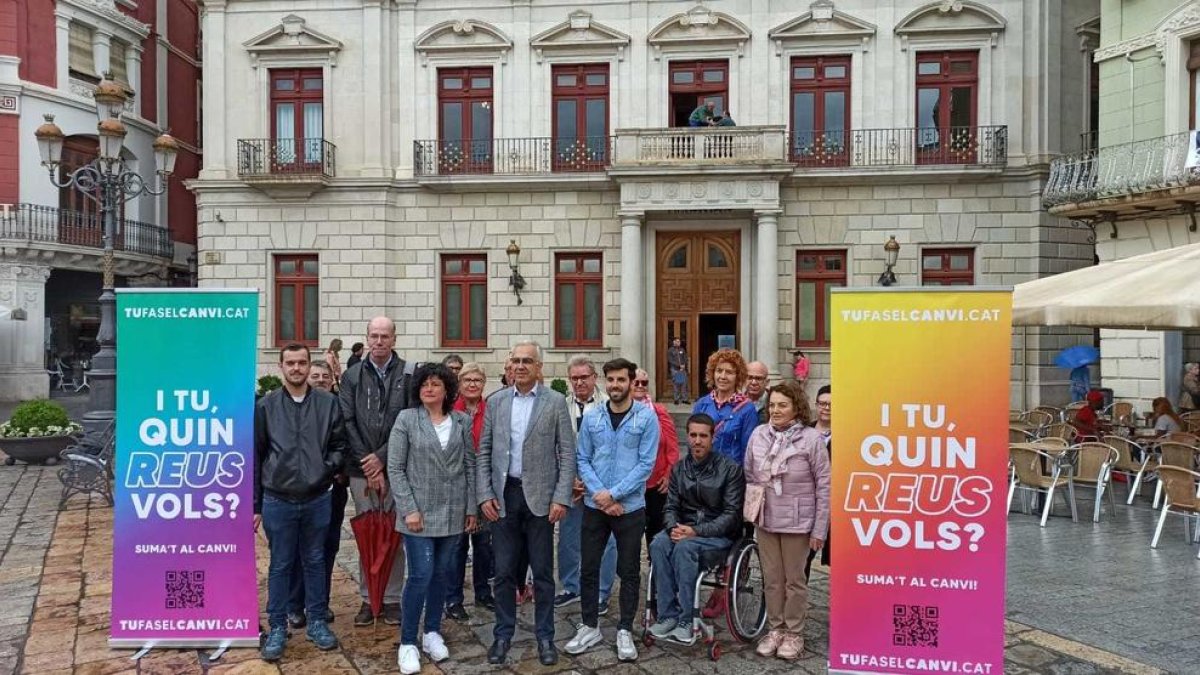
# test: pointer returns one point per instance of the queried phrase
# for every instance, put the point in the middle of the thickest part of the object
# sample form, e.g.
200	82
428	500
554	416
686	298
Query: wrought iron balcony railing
48	224
286	157
512	156
869	148
1123	169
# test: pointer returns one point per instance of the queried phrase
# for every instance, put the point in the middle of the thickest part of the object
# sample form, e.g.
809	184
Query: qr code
185	589
914	625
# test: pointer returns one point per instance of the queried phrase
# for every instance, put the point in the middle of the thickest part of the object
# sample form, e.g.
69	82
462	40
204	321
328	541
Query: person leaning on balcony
725	120
703	116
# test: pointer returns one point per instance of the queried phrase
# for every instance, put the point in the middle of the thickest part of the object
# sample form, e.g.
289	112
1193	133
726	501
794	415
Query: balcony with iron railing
298	166
1126	180
867	149
33	225
512	156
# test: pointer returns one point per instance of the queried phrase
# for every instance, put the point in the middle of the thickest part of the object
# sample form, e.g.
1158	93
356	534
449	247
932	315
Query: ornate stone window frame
292	44
462	37
949	25
580	35
698	28
1171	38
824	31
107	23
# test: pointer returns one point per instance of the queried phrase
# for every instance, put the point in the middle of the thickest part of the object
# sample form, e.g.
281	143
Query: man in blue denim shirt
617	446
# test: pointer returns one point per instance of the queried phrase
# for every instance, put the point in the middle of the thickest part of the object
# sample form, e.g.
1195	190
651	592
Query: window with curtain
464	300
80	59
948	267
297	115
117	51
297	300
579	300
817	274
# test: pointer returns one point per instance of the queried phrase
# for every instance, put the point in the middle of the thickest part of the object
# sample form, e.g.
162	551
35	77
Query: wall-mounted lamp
891	251
19	314
515	280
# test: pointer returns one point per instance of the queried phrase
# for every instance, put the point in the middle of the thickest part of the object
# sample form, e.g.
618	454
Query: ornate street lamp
516	281
891	251
107	182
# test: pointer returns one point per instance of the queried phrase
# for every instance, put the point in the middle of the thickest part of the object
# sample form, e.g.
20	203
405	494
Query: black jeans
656	503
482	568
333	542
520	530
628	529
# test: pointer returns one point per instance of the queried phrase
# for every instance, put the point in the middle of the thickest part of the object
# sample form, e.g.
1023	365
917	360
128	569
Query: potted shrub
266	385
38	431
560	385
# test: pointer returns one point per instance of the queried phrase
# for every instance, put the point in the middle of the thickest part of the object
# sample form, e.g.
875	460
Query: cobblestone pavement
55	588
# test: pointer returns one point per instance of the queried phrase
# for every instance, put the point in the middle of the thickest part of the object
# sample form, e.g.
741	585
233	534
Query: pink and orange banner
920	457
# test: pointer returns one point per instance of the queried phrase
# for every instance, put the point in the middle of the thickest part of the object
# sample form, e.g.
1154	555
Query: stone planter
41	450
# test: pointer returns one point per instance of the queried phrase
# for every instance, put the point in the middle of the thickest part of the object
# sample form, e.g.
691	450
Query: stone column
766	292
62	50
212	20
22	340
374	89
102	52
133	72
633	288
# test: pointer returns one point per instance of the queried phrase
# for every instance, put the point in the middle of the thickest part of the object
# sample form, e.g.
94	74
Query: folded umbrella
377	539
1074	357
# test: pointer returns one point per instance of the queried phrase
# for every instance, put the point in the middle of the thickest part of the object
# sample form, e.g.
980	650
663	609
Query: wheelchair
736	572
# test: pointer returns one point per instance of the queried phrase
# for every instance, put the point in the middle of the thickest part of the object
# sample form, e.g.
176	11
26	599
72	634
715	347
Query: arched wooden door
697	290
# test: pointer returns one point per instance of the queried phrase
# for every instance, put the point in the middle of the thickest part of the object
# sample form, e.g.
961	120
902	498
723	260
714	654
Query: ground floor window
579	300
948	267
817	274
297	303
464	300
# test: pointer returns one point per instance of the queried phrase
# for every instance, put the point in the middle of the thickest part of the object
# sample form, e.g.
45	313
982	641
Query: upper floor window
1193	68
948	267
817	274
579	300
580	99
947	107
117	51
820	88
297	301
297	115
80	59
695	83
464	300
465	119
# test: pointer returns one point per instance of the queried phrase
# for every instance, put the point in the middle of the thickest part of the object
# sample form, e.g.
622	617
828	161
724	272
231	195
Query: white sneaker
435	647
409	659
585	638
626	650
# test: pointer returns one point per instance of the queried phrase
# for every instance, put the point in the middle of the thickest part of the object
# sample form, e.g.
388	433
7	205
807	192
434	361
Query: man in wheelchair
703	519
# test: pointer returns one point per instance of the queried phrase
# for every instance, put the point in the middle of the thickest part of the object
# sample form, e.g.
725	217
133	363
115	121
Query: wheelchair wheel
714	651
747	613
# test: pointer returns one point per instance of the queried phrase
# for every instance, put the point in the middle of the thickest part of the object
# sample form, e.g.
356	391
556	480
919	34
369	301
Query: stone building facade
429	139
1136	189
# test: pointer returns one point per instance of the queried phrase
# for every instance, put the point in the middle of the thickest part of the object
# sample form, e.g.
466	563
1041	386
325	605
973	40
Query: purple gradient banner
183	536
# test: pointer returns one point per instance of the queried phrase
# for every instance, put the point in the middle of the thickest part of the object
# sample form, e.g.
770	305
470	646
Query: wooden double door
698	290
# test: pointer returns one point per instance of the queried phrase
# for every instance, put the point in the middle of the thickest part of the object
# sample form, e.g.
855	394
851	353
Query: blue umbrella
1074	357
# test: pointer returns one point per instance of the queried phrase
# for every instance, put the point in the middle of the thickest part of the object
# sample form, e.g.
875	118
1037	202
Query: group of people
498	474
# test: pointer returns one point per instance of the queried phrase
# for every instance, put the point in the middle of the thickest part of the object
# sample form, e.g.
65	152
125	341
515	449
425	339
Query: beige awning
1159	291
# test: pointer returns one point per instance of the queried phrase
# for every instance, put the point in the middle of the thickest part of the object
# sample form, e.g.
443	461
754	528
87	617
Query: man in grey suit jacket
526	471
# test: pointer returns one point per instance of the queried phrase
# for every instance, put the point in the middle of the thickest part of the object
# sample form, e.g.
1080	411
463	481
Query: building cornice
105	15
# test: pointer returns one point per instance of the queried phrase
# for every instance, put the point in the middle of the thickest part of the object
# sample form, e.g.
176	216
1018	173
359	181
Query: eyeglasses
472	380
582	378
824	404
641	383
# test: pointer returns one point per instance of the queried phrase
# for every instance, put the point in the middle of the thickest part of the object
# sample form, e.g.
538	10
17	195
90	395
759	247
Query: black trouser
628	529
656	502
520	530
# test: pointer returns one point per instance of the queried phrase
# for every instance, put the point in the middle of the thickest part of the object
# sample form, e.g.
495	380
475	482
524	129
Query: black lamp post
516	281
107	182
891	251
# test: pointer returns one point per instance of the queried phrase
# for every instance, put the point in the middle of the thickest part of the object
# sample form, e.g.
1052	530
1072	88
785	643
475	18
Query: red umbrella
377	539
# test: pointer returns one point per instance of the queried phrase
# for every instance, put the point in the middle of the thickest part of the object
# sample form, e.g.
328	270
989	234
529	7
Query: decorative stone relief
700	194
951	17
699	25
466	35
579	33
292	39
822	21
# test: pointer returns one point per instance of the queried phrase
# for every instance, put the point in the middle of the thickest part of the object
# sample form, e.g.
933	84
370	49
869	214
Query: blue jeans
429	562
292	525
483	568
333	542
569	551
676	567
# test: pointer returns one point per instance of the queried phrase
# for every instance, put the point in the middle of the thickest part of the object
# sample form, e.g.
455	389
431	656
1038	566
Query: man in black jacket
373	393
703	513
299	443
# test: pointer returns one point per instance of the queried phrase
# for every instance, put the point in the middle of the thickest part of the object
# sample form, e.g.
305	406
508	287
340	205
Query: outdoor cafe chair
1029	462
1018	434
1181	437
1133	462
1053	411
1173	453
1191	421
1093	467
1062	430
1071	408
1180	485
1121	412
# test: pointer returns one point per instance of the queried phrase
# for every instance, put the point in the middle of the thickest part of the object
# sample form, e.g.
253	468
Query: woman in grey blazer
431	466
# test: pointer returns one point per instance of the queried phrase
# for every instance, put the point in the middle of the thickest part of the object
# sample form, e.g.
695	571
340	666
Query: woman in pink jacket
787	499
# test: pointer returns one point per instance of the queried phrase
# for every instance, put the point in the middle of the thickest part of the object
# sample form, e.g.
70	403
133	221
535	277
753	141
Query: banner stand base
137	656
216	654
